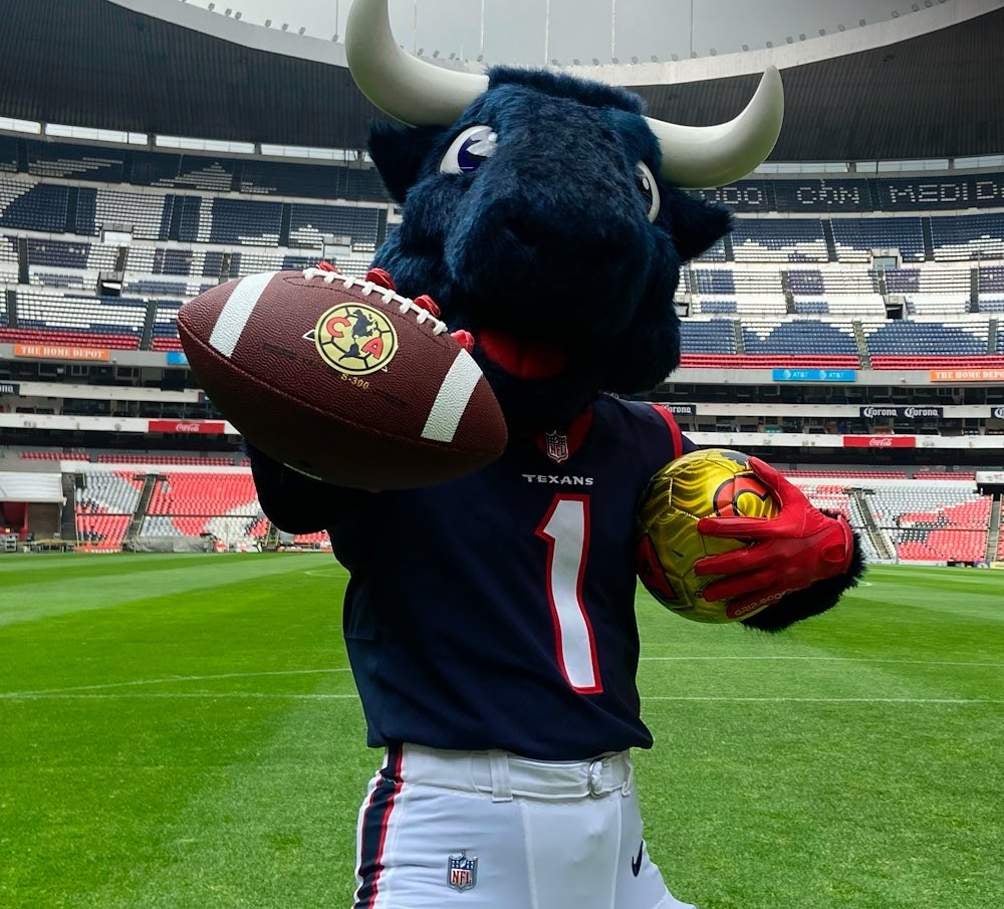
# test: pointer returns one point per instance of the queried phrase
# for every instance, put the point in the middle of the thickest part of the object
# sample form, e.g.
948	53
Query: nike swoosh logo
636	862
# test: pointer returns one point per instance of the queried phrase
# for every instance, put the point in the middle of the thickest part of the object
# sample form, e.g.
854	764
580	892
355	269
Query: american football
342	379
713	482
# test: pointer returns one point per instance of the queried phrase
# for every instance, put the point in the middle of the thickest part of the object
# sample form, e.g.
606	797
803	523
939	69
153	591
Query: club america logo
462	872
557	446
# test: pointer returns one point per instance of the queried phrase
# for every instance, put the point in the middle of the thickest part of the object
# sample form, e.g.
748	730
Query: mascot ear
694	224
398	152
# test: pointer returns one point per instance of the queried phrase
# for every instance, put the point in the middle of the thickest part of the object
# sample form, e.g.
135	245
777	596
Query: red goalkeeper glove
788	553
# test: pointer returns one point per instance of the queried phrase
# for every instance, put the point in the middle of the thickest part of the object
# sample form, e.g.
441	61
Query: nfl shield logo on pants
462	872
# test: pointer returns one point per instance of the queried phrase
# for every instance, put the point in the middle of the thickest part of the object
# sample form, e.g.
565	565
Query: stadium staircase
22	260
148	323
271	543
737	331
862	343
11	300
993	538
878	539
831	244
925	225
789	296
728	248
68	518
992	335
284	225
136	522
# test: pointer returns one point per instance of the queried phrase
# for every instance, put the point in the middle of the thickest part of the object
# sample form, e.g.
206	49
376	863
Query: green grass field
181	731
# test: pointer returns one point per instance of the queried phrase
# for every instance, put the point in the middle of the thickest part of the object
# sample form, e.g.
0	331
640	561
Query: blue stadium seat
713	336
856	237
717	307
806	283
779	240
8	154
243	223
75	162
965	237
308	223
812	307
32	206
905	338
800	337
58	253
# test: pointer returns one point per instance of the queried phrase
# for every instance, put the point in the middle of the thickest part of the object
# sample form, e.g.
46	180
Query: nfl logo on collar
462	872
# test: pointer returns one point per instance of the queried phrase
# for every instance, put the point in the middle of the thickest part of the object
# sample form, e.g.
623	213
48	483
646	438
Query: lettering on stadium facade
862	194
680	410
909	413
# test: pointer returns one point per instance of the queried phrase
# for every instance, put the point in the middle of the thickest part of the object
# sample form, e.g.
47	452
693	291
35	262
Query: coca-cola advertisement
880	441
189	427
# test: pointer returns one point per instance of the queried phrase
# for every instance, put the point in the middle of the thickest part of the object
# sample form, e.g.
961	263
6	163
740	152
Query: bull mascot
490	620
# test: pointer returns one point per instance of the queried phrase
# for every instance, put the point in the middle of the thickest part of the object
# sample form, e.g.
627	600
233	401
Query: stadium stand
797	337
29	205
782	240
193	504
829	496
968	237
855	238
105	506
927	523
909	514
802	287
199	494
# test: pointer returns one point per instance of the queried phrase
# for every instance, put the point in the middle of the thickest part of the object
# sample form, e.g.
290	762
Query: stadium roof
923	85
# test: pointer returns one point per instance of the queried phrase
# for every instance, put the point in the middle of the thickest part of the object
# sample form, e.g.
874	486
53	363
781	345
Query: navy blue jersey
497	611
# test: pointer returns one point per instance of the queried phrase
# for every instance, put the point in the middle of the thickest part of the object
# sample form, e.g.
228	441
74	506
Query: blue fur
549	239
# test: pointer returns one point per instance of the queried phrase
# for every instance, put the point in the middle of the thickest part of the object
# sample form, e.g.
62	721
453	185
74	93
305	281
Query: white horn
703	156
406	88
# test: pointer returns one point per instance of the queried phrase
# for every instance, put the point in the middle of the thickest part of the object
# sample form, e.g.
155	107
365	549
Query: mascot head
543	214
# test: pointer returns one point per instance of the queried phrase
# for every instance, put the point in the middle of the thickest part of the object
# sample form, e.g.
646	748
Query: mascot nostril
490	619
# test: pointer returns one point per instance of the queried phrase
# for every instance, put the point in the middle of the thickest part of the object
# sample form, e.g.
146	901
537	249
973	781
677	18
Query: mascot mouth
520	358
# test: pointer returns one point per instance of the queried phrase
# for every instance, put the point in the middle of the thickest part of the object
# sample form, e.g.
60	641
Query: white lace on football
404	305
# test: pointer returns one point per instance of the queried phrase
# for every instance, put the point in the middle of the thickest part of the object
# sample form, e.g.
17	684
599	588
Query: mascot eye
469	150
648	188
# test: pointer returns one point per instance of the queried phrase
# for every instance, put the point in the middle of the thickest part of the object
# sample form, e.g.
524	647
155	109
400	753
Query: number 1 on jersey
565	529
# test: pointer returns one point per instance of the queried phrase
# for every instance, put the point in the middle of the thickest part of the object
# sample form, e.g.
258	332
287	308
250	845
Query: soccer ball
708	483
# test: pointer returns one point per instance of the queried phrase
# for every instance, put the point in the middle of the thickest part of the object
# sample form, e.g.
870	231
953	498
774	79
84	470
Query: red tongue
522	359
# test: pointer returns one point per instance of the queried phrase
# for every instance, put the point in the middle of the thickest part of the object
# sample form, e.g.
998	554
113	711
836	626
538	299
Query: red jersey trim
676	436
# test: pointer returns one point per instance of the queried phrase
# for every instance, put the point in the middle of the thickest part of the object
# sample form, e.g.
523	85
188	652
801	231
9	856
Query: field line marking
822	659
313	696
800	700
180	678
170	695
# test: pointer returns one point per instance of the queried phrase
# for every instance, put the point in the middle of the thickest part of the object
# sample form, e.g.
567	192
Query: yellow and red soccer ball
708	483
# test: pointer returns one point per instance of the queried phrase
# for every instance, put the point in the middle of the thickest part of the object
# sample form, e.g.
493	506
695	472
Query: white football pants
488	830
